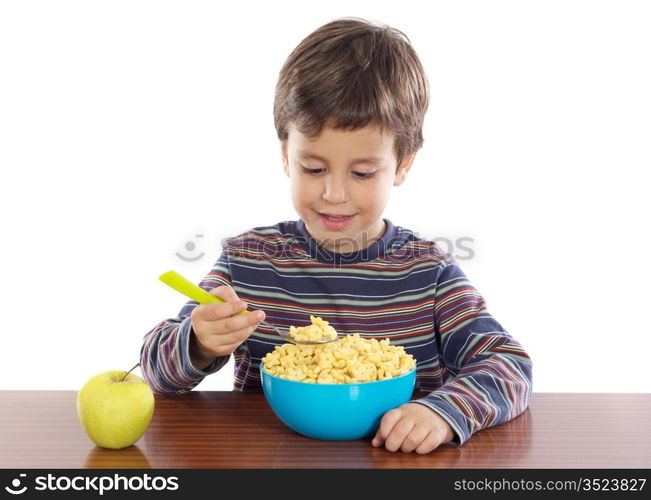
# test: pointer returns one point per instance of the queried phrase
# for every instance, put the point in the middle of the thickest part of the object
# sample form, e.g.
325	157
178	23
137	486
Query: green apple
115	410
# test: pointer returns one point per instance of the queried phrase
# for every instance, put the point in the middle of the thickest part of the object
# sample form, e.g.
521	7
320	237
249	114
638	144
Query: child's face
327	178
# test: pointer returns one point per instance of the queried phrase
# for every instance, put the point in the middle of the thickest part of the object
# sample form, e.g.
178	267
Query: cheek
375	196
301	191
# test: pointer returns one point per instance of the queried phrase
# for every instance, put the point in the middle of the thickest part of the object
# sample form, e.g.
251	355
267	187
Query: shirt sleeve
165	354
490	374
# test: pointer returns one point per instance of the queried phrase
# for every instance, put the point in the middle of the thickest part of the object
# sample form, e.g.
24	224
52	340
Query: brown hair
351	73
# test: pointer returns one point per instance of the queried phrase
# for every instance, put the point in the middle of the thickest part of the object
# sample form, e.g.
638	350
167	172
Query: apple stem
125	375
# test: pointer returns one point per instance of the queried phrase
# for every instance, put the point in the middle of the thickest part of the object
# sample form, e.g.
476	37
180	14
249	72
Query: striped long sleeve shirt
475	375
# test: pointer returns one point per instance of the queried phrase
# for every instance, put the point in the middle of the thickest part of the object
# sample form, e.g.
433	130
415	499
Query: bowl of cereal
339	390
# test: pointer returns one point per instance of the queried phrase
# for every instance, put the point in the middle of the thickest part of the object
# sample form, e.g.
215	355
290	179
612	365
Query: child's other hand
218	327
412	427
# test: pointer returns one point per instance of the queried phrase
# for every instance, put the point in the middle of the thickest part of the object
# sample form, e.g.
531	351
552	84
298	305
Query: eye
312	171
363	175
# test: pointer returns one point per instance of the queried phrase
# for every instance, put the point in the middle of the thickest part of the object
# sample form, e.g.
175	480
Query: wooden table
210	429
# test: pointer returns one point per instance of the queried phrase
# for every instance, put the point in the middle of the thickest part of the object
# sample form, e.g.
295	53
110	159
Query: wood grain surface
213	429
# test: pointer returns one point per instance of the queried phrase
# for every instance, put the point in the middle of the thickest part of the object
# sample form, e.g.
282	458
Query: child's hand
412	427
218	328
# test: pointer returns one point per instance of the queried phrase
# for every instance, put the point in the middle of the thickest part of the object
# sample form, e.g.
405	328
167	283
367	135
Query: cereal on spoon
320	329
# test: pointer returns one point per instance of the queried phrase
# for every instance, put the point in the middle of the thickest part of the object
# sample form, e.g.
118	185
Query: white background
129	127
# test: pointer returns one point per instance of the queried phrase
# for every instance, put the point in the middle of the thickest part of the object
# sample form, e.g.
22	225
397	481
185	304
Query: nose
335	190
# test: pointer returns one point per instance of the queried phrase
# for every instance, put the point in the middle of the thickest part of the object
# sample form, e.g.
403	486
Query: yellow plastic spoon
189	289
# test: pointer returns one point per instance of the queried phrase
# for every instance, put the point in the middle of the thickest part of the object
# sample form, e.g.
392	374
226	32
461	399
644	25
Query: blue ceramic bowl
335	412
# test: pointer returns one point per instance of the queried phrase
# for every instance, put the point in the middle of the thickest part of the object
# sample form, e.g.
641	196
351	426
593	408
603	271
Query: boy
349	109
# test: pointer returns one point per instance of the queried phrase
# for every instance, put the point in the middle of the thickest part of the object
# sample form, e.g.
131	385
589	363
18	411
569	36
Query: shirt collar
377	249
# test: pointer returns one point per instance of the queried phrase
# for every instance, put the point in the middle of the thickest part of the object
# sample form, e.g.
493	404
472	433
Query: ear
403	169
283	154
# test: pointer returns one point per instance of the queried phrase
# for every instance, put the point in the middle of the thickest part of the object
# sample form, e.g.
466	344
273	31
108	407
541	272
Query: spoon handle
189	289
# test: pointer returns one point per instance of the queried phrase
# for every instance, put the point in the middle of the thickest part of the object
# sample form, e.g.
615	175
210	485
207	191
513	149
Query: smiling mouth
335	217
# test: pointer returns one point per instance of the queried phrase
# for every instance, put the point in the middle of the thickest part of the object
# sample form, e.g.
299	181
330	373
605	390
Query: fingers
412	427
213	311
234	336
406	435
218	312
223	319
226	293
220	327
414	438
430	443
221	344
221	349
389	420
397	436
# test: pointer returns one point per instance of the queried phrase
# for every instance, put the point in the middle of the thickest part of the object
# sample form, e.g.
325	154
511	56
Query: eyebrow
311	156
